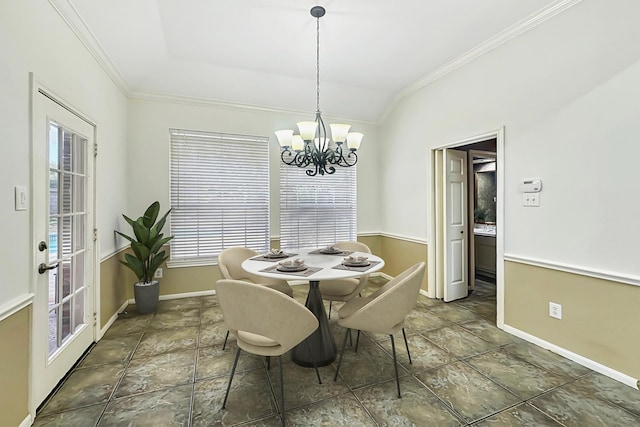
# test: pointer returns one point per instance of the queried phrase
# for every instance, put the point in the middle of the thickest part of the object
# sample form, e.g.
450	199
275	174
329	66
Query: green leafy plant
147	243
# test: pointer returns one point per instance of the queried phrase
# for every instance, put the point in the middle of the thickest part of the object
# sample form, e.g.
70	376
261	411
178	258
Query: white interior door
455	225
62	206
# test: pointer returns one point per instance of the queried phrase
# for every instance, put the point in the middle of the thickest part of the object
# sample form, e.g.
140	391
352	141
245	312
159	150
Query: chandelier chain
318	64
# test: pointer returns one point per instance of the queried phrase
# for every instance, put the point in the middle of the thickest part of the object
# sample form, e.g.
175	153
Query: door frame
435	209
37	89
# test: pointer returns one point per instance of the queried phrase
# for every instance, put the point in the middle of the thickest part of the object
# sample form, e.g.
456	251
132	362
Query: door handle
42	268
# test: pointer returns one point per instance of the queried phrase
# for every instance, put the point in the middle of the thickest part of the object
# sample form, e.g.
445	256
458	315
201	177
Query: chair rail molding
13	306
574	269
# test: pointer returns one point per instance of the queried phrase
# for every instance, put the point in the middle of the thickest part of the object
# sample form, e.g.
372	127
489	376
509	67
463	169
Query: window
317	211
219	194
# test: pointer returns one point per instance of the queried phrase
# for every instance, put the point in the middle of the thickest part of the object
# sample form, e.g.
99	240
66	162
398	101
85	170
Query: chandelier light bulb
284	137
339	132
353	140
321	143
307	130
297	143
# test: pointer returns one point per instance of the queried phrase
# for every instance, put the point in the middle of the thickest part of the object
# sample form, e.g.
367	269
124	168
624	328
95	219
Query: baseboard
113	318
588	363
179	296
26	422
381	274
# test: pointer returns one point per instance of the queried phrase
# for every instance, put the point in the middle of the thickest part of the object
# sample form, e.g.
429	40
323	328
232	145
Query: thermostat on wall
531	185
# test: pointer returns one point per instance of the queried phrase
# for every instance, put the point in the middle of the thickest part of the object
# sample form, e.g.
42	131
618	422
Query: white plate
277	256
356	264
292	269
332	251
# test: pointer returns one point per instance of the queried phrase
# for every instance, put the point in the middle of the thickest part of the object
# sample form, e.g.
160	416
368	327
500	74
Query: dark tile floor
169	369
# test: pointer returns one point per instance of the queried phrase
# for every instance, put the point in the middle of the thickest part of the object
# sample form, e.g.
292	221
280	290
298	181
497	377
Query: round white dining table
320	347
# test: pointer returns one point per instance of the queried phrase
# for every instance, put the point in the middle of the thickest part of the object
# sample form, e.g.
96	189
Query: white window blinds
219	194
316	211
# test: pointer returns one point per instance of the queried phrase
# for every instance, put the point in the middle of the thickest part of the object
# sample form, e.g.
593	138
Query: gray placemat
304	273
269	259
359	268
341	253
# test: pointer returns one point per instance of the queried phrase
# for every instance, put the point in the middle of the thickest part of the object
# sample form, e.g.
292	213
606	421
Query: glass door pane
67	233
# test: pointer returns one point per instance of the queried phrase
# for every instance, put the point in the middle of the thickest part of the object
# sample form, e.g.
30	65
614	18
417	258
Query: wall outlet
555	310
158	274
531	199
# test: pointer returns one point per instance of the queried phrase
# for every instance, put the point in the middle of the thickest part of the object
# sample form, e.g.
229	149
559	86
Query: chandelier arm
347	163
286	151
302	160
321	132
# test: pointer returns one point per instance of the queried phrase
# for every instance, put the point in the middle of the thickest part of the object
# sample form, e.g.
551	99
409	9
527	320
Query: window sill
192	262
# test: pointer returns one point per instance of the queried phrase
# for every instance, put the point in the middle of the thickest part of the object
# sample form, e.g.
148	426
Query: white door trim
434	207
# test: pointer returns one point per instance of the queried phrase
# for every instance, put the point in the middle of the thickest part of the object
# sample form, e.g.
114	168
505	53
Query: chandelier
312	149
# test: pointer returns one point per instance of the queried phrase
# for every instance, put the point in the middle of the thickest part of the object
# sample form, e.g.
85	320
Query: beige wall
600	318
14	367
116	281
400	254
373	241
112	295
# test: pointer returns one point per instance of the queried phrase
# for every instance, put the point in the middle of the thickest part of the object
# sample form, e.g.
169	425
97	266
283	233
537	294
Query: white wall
149	124
33	38
568	94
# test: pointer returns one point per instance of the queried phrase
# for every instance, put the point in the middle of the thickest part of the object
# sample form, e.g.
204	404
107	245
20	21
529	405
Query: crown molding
72	18
512	32
70	15
207	102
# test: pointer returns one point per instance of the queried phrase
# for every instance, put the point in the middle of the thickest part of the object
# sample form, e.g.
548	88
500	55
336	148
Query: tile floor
169	369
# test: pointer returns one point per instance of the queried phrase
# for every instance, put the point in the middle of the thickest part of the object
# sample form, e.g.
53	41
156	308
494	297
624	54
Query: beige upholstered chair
230	264
384	311
265	322
344	289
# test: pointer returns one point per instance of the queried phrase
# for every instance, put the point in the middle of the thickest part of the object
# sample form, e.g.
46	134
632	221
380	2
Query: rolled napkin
274	251
292	263
356	259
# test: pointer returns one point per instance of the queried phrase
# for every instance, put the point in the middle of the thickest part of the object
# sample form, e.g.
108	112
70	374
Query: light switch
21	198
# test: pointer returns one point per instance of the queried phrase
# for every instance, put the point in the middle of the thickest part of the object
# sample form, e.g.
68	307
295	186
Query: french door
62	191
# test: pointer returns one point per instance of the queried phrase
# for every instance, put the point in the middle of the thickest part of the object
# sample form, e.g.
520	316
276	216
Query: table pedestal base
320	344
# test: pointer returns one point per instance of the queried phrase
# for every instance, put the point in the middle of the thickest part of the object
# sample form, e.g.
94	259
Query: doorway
446	268
482	196
63	325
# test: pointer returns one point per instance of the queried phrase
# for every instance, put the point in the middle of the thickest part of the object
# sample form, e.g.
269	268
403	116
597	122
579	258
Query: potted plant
147	255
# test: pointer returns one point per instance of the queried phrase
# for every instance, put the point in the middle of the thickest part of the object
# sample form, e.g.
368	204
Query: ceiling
262	53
